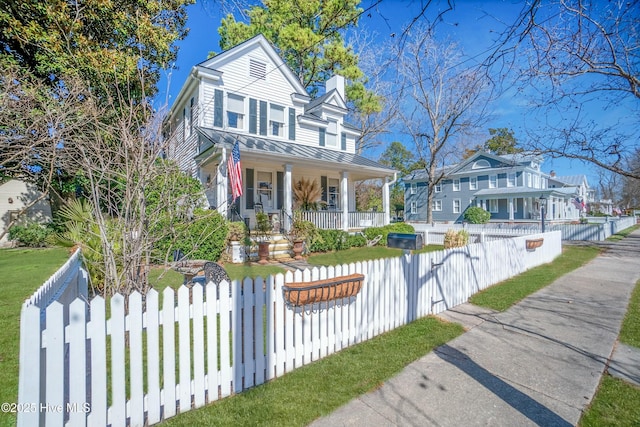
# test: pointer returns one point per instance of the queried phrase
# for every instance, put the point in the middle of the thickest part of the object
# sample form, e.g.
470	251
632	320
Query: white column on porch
287	203
511	218
344	194
386	205
222	184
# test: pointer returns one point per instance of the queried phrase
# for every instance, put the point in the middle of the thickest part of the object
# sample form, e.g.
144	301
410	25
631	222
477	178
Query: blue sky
474	24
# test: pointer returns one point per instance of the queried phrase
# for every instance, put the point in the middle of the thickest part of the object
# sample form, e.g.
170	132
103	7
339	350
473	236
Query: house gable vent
257	69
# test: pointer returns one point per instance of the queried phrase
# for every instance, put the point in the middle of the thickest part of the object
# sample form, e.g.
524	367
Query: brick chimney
553	174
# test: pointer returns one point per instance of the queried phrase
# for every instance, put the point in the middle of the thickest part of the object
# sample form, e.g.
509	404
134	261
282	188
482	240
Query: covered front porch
526	204
271	170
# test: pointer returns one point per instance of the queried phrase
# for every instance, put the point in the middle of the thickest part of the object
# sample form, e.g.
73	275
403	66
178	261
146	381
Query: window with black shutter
217	108
249	188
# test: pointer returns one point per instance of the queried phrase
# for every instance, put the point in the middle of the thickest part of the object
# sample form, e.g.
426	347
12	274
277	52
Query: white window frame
235	106
438	188
457	206
473	183
333	193
494	207
436	205
276	120
456	185
264	189
331	135
511	179
414	207
413	189
493	181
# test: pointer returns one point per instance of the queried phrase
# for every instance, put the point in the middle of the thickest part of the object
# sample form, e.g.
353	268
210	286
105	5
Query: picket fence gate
154	359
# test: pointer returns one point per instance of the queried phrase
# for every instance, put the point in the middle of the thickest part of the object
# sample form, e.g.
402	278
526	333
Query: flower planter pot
297	249
302	293
263	252
533	244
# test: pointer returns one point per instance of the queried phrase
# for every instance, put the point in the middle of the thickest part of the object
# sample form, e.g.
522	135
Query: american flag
235	172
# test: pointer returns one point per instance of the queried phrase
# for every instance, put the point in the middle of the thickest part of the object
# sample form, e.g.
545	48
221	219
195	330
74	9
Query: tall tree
398	157
502	141
443	101
309	35
113	45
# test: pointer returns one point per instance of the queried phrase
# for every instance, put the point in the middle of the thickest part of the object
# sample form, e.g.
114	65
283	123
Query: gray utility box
404	241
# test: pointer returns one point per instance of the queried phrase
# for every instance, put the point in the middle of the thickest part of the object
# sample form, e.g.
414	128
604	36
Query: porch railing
332	220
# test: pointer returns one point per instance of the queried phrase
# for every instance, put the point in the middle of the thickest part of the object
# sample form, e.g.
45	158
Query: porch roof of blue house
287	151
524	192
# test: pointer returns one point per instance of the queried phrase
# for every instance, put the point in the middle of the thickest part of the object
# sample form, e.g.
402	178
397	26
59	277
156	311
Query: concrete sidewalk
538	363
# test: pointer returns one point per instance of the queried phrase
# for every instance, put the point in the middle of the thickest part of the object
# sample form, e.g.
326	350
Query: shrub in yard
203	237
356	241
329	240
398	227
456	239
32	234
476	215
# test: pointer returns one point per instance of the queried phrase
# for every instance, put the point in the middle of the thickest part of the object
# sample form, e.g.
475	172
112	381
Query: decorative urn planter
297	249
263	252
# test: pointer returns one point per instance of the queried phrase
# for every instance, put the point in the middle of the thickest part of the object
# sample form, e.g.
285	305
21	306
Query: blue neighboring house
509	186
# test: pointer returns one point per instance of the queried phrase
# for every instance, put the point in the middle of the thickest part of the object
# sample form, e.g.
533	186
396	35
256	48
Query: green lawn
362	254
22	272
503	295
307	393
617	403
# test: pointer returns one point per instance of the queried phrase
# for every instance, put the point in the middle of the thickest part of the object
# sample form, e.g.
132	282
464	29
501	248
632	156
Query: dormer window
235	111
276	120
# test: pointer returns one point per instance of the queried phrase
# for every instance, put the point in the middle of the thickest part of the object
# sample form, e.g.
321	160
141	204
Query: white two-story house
249	95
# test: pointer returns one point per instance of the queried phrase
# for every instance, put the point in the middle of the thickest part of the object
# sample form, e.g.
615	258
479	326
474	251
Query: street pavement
538	363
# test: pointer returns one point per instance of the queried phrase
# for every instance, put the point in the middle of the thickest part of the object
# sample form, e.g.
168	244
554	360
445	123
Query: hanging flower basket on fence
532	244
303	293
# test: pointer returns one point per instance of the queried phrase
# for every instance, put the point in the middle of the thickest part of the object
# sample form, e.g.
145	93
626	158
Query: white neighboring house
14	196
249	95
584	196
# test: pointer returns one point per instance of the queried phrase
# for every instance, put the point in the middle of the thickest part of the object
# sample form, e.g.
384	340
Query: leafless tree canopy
569	56
442	100
115	146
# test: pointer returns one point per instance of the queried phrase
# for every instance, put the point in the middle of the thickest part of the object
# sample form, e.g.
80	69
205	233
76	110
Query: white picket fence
434	234
160	358
66	284
596	232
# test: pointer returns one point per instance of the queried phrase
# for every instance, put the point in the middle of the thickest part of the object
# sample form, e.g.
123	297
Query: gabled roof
209	67
507	160
250	44
331	98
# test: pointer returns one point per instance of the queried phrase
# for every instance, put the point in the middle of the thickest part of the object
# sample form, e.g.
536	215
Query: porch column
344	194
511	209
287	203
386	206
221	184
